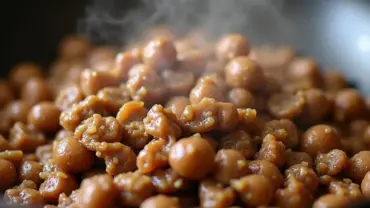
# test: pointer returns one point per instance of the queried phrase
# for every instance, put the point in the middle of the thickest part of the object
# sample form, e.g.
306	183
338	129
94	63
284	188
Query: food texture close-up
180	117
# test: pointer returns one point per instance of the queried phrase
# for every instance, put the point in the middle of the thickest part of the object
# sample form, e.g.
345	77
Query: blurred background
335	32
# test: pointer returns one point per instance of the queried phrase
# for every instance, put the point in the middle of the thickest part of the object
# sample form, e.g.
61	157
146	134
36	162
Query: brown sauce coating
304	73
35	90
293	158
273	57
183	157
201	116
124	61
44	153
101	58
21	73
215	195
13	156
44	116
30	170
241	98
130	117
331	201
303	174
207	87
50	206
68	97
114	97
272	150
131	111
365	185
161	201
316	108
286	105
4	144
55	184
331	163
23	196
212	141
72	77
167	181
245	73
345	188
334	81
97	129
209	115
218	79
26	184
352	146
48	169
193	60
61	134
96	192
267	169
272	84
154	155
182	120
228	116
320	139
358	165
294	195
230	164
358	127
134	188
25	138
177	104
30	157
178	82
348	104
144	84
18	111
8	174
74	47
91	81
118	157
160	53
365	135
231	46
68	201
161	123
72	117
249	121
5	123
261	103
240	141
67	148
254	190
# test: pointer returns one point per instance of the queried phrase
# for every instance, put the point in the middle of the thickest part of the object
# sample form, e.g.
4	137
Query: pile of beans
176	122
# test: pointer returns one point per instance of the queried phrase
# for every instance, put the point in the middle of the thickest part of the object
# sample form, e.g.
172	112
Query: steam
262	21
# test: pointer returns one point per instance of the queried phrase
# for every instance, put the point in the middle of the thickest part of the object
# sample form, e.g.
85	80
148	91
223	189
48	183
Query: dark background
327	30
31	29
